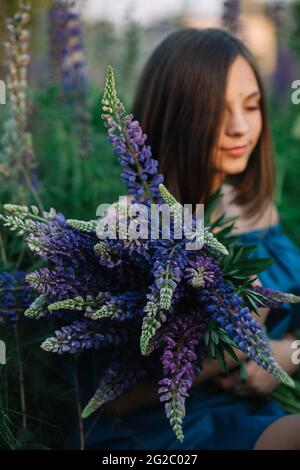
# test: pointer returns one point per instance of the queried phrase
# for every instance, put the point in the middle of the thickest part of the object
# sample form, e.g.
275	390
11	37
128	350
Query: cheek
255	126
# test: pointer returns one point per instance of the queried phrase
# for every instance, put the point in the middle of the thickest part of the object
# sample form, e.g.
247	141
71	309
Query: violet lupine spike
67	246
58	283
229	311
152	321
167	270
118	379
182	359
121	307
15	296
230	16
168	267
18	159
273	298
37	309
84	334
67	48
69	65
278	13
139	169
285	70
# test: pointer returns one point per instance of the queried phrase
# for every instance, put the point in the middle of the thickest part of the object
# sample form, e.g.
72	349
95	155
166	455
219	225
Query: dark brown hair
179	103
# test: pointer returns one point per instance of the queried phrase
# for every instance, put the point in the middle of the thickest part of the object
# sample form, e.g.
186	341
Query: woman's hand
258	381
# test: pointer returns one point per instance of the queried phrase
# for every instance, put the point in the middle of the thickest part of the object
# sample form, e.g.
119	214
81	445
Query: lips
235	151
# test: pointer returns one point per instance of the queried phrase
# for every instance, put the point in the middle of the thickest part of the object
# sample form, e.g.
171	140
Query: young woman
201	102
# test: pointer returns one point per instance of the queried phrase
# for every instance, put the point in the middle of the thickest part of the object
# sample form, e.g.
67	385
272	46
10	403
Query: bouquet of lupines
161	306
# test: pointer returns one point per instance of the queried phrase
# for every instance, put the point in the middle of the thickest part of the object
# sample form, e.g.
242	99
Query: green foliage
217	342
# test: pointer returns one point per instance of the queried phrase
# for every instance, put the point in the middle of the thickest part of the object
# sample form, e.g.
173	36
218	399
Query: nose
236	124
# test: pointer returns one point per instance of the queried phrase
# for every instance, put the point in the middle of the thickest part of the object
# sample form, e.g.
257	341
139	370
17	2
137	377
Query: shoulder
268	216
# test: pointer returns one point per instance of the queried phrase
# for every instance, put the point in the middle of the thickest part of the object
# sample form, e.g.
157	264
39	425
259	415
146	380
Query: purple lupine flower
202	272
230	16
273	298
120	307
139	169
84	334
59	283
277	13
67	61
118	379
64	247
18	160
230	312
129	145
67	53
182	358
284	72
15	296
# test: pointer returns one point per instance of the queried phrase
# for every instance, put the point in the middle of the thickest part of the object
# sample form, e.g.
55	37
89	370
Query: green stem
78	406
12	289
3	250
21	377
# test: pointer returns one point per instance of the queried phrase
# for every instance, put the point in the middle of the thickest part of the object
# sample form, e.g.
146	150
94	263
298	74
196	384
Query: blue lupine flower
15	296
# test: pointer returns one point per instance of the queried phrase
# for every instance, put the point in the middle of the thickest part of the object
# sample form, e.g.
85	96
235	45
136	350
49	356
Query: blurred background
54	150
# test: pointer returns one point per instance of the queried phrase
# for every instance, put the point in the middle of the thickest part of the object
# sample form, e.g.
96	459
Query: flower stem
21	377
3	250
78	406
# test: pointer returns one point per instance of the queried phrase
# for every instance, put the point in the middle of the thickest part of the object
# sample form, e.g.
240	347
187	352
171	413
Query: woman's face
242	122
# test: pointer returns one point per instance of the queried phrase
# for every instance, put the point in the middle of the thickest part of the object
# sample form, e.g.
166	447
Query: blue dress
215	420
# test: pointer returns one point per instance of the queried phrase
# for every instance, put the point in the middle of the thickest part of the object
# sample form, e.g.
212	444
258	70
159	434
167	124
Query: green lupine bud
149	328
35	210
111	103
108	310
21	211
16	223
77	303
95	402
37	308
84	226
170	200
151	308
166	294
50	345
101	249
213	243
176	415
287	298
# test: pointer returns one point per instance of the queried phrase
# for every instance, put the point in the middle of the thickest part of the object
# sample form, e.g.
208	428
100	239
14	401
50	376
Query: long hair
179	103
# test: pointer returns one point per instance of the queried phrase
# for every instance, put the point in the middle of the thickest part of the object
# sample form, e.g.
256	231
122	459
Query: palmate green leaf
231	352
238	266
218	342
250	302
252	299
